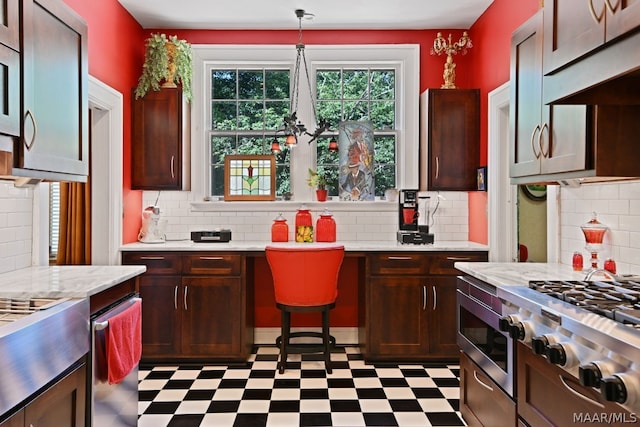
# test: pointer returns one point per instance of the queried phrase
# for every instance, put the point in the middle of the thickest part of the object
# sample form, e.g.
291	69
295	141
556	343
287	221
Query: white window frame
405	59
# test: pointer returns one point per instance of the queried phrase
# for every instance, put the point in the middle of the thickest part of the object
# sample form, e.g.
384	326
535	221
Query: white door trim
106	125
502	196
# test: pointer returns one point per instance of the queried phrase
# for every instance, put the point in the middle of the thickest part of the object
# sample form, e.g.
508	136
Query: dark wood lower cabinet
549	396
61	405
483	402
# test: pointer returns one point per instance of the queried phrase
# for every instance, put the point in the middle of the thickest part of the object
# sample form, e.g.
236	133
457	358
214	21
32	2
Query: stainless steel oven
479	335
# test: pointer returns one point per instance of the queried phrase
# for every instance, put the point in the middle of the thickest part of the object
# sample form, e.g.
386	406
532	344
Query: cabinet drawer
398	263
156	262
443	263
213	264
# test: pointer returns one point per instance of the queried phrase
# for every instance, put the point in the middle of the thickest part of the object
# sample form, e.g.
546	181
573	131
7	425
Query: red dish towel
124	342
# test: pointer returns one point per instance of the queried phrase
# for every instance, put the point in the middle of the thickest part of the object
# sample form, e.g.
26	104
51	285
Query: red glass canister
304	225
280	229
326	228
577	261
610	265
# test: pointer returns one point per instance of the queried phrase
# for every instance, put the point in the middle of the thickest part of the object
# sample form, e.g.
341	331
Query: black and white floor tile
254	394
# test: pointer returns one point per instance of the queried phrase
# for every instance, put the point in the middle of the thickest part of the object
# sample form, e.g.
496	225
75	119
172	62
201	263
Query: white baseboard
343	336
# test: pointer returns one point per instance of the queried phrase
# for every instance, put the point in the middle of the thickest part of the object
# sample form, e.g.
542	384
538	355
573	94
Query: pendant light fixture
292	127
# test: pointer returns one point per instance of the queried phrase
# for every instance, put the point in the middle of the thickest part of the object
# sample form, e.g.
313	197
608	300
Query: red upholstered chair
305	279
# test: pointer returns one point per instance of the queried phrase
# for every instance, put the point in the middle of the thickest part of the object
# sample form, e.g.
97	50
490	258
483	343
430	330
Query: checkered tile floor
254	394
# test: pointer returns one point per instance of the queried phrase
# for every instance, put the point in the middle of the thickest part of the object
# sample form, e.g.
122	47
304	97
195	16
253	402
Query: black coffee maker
408	214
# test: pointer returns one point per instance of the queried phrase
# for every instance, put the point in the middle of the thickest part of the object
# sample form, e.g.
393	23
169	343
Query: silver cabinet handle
211	258
593	13
533	146
175	298
399	258
424	298
435	296
173	172
153	258
458	258
540	142
437	167
475	375
580	395
186	289
35	130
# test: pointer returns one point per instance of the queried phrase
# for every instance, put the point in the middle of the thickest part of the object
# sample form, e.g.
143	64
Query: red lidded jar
304	225
577	261
610	265
326	228
280	229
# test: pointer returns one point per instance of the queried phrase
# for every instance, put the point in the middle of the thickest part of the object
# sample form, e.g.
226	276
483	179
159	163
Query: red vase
321	195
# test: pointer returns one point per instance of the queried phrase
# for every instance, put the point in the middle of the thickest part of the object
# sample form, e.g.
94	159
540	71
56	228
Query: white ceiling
329	14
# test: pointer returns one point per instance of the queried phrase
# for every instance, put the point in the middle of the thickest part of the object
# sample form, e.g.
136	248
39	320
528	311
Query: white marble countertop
70	281
503	274
350	246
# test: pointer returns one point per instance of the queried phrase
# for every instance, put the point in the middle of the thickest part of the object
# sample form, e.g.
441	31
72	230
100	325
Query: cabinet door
9	91
441	305
212	316
16	420
55	125
526	98
549	396
397	317
626	17
482	402
453	138
161	309
572	28
10	24
156	161
62	405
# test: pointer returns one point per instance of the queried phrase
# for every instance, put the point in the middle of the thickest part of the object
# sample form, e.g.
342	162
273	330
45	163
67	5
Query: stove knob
505	322
556	354
561	354
520	331
539	344
591	373
621	388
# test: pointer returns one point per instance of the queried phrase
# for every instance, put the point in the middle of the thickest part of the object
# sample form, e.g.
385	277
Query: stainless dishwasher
112	405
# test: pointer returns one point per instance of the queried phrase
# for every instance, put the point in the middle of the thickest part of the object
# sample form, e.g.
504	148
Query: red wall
491	34
116	51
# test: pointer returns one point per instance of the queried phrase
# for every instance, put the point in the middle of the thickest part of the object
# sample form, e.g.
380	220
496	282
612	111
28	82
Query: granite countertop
501	274
350	246
69	281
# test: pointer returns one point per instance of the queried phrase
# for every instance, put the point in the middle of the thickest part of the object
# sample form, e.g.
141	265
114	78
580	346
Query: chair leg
326	339
284	340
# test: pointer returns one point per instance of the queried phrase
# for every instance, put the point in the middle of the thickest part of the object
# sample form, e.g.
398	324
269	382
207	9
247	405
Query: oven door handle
578	394
99	326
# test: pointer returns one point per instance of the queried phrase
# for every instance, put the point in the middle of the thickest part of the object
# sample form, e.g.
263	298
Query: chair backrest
305	276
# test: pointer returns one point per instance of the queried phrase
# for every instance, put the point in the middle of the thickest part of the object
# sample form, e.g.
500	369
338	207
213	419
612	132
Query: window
243	92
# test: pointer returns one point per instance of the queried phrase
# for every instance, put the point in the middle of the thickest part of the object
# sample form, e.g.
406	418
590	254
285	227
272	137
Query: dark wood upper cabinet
159	149
449	139
54	140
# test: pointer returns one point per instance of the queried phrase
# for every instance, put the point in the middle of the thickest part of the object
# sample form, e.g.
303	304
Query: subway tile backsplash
354	221
618	207
16	226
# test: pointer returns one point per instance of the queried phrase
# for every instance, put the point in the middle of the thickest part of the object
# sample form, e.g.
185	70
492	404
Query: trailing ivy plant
155	69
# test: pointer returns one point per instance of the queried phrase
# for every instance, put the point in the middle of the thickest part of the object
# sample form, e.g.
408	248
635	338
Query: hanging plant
167	62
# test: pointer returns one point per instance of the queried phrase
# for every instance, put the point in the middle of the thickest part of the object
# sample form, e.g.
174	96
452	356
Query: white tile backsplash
252	221
16	226
618	207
